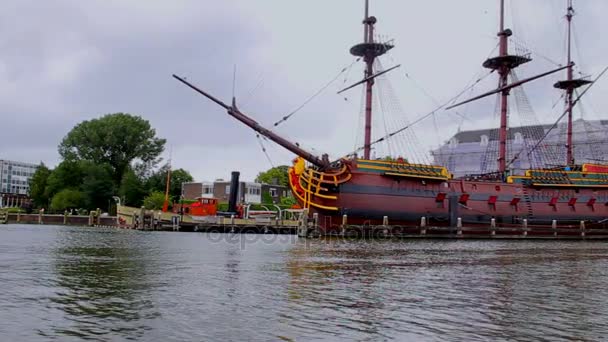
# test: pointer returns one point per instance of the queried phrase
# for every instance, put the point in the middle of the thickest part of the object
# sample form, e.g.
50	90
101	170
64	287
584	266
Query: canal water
76	284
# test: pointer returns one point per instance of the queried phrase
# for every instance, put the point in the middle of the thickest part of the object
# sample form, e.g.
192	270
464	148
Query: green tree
38	185
158	181
288	201
132	189
154	201
68	174
97	185
266	198
114	139
94	181
68	199
276	175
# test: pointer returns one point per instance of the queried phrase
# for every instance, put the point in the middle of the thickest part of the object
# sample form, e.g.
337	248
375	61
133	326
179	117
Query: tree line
115	155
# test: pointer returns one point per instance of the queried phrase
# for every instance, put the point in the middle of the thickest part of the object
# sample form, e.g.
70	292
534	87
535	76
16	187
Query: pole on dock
493	226
65	217
459	226
385	221
525	226
554	227
423	225
453	209
142	216
582	228
40	213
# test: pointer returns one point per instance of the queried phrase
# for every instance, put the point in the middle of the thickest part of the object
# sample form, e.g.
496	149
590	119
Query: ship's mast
369	50
569	85
503	64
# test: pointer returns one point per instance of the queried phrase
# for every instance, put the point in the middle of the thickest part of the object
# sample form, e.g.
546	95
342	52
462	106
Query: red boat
362	191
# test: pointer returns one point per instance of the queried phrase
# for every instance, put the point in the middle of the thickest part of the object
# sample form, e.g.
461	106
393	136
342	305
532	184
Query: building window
519	138
273	192
227	189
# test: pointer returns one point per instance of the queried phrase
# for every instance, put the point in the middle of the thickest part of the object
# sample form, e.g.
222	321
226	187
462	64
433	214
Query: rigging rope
562	116
264	150
447	103
308	100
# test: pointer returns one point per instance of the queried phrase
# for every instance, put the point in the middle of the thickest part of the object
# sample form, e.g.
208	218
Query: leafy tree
97	185
68	199
94	182
38	185
288	201
132	189
158	181
154	201
266	198
114	139
276	175
68	174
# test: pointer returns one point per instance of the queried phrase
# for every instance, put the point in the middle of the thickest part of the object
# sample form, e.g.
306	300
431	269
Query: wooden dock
582	231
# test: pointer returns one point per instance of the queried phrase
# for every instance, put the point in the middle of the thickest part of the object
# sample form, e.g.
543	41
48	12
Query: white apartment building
14	179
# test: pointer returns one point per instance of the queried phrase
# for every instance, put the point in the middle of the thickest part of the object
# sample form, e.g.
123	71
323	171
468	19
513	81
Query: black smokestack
234	191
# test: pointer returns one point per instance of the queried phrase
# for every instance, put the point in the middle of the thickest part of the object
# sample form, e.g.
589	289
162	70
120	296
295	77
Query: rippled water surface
72	284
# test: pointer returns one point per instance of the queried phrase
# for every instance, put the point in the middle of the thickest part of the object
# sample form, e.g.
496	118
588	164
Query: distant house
249	192
476	151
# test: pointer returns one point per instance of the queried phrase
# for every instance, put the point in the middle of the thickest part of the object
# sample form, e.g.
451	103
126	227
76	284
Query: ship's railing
404	169
561	178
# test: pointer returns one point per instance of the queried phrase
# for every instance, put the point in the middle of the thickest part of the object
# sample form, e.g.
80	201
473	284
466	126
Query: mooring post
315	220
453	209
232	220
142	216
525	226
583	228
554	227
65	217
423	225
40	213
91	218
18	216
303	224
459	226
493	226
98	216
385	221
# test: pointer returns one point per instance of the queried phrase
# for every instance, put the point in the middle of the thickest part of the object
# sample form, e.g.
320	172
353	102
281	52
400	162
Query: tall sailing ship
367	191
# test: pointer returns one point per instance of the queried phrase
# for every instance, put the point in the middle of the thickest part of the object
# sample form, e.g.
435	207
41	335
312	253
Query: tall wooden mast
569	85
369	50
503	64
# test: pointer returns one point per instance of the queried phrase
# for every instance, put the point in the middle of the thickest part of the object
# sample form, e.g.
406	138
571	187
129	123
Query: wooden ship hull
370	193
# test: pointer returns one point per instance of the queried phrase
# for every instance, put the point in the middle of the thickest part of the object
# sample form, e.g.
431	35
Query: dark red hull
367	197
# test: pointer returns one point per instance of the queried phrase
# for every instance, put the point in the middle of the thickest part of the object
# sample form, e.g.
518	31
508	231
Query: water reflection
102	286
465	290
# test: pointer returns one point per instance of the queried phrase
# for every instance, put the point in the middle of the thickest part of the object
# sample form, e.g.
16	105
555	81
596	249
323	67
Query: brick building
249	192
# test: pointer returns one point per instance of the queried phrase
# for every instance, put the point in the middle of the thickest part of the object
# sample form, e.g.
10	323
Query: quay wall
70	220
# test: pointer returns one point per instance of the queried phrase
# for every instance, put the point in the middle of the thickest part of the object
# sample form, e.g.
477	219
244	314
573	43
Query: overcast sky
63	61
